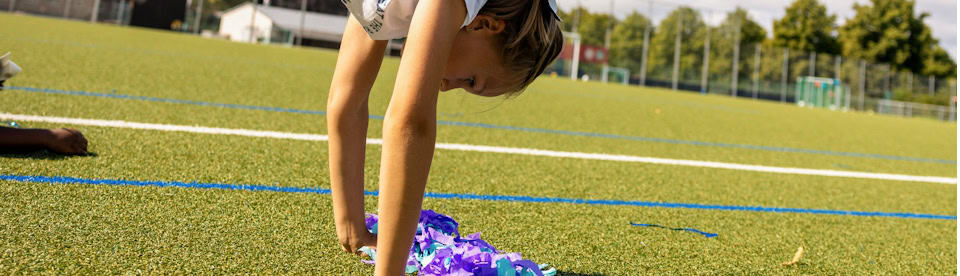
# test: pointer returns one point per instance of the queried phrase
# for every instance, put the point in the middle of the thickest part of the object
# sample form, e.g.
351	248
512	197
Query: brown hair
531	38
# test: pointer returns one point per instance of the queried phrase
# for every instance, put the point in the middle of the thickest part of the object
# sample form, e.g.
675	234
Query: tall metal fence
107	11
709	58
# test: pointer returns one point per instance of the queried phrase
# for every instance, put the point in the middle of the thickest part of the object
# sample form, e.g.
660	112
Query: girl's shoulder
390	19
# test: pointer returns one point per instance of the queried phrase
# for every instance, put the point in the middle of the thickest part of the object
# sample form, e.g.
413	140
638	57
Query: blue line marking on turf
502	127
165	100
705	234
174	53
523	199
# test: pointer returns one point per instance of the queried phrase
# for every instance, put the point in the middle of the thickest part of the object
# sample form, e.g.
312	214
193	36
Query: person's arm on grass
409	129
347	117
61	140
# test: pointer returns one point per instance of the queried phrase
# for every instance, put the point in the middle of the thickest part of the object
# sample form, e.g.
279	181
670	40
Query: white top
8	69
390	19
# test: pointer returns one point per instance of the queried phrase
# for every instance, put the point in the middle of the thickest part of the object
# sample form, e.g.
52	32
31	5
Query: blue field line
503	127
173	54
505	198
165	100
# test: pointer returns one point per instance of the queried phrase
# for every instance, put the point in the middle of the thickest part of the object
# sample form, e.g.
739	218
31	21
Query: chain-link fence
696	50
107	11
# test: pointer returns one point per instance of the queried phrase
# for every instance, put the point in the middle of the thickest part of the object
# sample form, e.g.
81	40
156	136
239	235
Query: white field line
507	150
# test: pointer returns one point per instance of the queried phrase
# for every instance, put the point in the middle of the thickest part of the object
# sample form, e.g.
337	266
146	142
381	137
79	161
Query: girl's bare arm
409	129
347	116
62	140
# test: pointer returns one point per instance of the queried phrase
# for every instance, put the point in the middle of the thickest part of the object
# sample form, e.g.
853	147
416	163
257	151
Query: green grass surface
109	229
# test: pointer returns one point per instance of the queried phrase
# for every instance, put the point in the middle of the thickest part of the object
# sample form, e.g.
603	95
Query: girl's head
505	48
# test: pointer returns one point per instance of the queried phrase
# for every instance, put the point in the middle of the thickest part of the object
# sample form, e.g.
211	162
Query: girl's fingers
372	242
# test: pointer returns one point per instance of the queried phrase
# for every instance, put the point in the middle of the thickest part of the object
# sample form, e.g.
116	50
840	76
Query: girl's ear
486	23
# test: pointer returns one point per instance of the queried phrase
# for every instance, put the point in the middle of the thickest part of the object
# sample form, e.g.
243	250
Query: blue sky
943	13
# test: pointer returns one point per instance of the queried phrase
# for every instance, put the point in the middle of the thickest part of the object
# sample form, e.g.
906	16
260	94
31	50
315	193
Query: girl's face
475	62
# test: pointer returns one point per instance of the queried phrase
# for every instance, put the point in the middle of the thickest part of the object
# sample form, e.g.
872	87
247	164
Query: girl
501	47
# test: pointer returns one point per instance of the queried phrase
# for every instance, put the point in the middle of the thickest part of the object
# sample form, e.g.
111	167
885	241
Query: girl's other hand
67	141
352	241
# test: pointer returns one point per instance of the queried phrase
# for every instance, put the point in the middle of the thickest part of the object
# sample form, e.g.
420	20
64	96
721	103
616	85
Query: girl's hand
352	240
66	141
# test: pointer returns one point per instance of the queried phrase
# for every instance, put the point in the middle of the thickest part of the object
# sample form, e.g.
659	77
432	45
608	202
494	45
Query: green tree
888	31
750	31
626	42
938	63
692	35
566	19
724	37
591	26
806	26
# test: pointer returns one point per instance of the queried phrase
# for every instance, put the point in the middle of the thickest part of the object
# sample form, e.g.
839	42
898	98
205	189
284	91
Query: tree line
882	31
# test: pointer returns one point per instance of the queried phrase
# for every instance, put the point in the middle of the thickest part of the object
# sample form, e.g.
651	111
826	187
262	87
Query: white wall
235	24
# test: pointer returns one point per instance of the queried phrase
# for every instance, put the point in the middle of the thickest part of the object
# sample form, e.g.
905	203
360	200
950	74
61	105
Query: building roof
315	25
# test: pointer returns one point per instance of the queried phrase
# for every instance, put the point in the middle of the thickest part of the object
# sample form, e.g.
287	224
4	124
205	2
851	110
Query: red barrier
588	53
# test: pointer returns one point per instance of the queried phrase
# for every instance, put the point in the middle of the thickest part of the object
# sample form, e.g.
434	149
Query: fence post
646	44
606	64
953	106
910	82
575	64
756	70
198	17
736	62
95	13
643	59
13	3
676	51
837	61
863	82
846	101
253	22
606	45
783	75
813	64
66	9
303	16
886	80
705	74
121	9
932	87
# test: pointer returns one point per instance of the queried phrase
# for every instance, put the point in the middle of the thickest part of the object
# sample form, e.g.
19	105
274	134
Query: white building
279	25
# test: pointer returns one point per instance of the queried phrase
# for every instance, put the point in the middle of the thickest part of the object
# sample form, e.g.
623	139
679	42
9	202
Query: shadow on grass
39	154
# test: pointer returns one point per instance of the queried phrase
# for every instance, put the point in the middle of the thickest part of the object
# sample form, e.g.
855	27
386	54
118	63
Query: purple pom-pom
438	249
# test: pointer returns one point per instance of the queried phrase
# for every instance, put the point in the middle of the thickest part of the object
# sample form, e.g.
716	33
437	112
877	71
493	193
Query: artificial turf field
103	72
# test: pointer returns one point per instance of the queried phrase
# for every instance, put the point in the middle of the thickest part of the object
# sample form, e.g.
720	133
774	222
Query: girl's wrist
46	137
351	230
351	224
